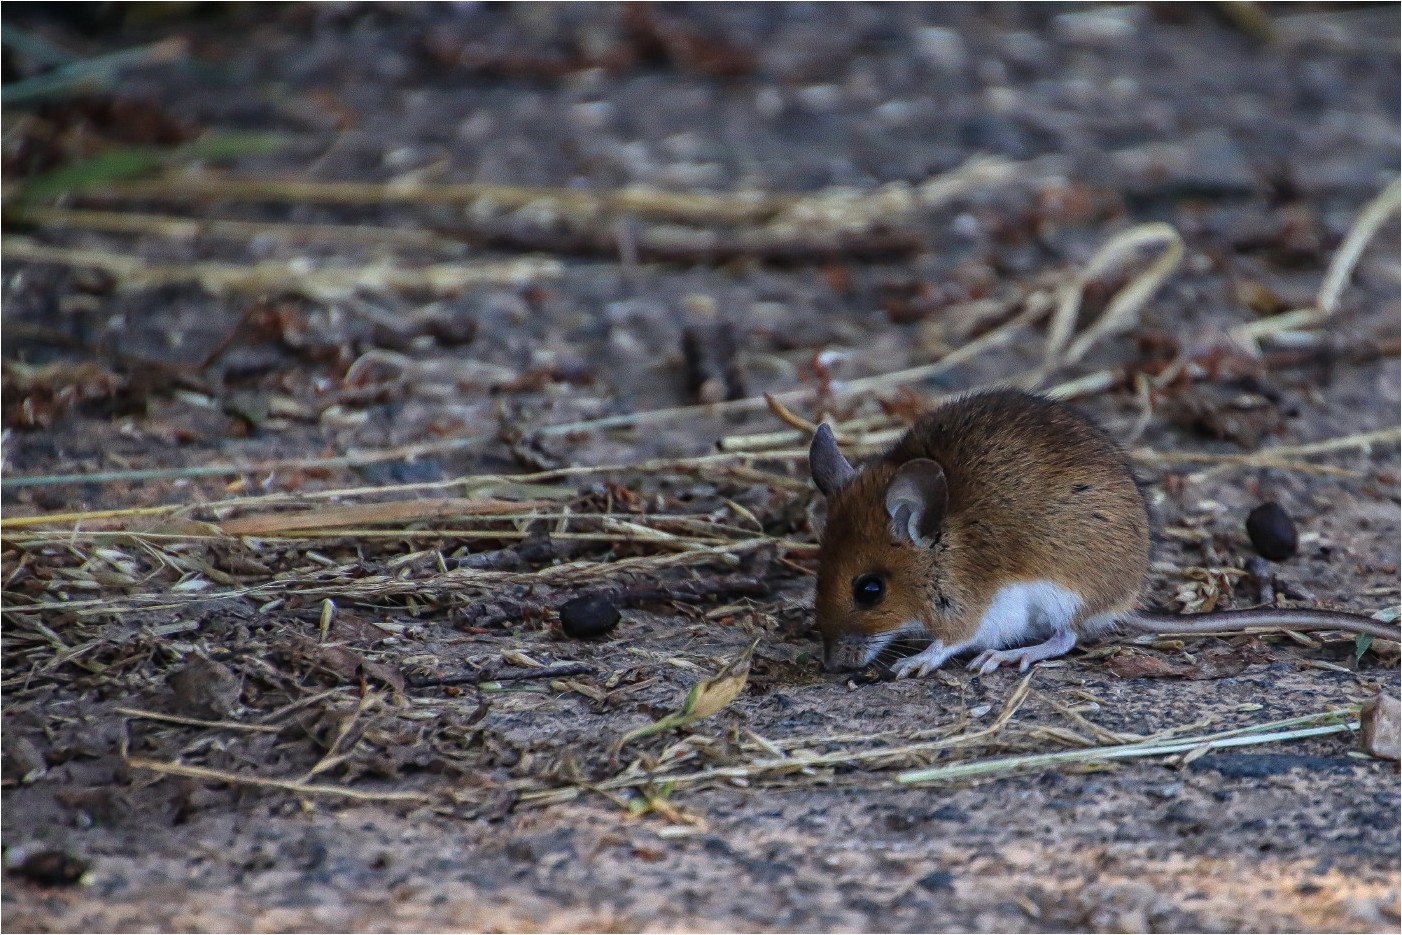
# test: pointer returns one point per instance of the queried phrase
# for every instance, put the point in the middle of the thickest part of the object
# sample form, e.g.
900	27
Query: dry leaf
1211	664
706	698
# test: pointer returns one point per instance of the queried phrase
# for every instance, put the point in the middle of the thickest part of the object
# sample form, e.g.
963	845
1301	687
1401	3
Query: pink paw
990	659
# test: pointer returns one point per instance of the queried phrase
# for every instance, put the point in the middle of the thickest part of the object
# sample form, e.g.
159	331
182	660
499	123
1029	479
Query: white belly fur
1026	612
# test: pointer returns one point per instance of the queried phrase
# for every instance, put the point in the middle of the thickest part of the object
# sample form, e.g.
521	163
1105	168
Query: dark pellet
588	616
1272	531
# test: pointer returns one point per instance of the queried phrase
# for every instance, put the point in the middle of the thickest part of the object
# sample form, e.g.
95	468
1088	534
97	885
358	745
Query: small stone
1380	718
22	759
588	616
1272	531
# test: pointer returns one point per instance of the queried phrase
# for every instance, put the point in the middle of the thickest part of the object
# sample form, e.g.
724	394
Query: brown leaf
1218	663
336	660
204	688
1134	664
1246	419
346	664
383	673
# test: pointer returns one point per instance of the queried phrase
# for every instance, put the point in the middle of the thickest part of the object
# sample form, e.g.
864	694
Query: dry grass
121	589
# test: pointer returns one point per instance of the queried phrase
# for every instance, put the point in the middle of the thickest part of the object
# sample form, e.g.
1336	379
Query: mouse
1003	524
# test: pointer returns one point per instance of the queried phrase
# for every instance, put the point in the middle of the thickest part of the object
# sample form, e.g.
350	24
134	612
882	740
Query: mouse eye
868	590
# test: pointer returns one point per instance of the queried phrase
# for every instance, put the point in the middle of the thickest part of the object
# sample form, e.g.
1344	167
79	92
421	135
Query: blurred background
238	231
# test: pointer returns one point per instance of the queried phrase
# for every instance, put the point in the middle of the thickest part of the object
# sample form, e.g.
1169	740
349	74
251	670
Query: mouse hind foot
1059	644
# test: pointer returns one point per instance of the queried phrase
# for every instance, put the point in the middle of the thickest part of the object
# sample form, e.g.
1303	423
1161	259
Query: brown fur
1036	492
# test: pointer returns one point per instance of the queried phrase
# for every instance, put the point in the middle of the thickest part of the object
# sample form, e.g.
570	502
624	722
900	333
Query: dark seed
53	868
587	616
1272	531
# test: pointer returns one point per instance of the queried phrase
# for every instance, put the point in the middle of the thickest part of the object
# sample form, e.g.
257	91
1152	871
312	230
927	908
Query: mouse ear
830	470
916	499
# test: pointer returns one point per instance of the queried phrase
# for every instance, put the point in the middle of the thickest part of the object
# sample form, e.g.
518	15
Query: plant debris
340	403
1219	663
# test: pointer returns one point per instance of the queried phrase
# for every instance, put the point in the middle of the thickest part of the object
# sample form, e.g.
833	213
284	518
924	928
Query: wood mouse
1003	524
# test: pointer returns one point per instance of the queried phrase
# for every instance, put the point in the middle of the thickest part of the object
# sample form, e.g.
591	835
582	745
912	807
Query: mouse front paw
922	663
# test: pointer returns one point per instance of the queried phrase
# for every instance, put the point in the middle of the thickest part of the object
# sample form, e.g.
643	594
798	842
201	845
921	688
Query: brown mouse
1003	524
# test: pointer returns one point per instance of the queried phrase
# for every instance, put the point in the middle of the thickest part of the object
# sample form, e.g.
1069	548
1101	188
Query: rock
22	759
1381	736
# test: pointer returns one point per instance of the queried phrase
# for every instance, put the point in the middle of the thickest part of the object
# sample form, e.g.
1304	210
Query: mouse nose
839	656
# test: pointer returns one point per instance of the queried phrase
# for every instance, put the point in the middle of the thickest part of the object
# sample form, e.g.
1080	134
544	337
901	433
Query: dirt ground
357	448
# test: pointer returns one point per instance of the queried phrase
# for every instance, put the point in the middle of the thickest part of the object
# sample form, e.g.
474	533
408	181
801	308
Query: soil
376	754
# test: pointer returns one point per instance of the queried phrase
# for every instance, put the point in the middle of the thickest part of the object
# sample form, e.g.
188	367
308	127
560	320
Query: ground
298	480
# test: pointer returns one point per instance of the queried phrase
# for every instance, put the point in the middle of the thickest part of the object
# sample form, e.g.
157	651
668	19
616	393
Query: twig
1270	457
284	276
194	721
824	208
1143	389
783	246
334	755
805	760
1237	738
164	225
1341	266
1273	457
1383	205
1123	310
413	452
398	511
288	785
735	207
1003	334
788	416
509	675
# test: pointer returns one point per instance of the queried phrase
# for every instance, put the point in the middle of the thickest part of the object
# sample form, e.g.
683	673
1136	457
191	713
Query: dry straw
97	577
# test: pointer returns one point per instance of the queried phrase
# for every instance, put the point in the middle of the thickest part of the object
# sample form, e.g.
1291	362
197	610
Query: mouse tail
1288	618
